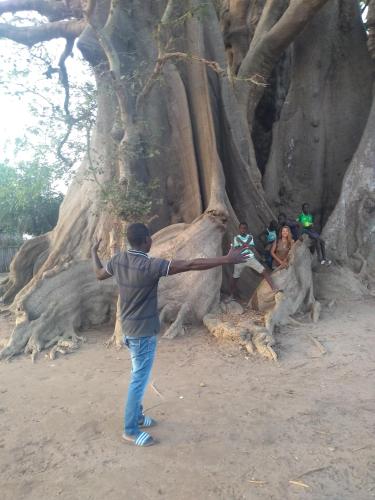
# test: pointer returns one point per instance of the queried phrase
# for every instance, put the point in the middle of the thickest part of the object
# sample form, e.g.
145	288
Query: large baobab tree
239	108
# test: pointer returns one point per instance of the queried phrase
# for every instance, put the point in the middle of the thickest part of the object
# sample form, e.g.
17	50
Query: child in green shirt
306	221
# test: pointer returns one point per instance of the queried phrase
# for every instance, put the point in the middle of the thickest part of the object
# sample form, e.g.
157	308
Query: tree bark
350	230
323	115
186	123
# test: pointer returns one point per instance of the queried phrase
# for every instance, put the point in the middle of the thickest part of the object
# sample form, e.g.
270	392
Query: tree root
66	345
178	326
254	330
23	265
116	338
186	298
297	296
294	322
61	303
253	337
316	342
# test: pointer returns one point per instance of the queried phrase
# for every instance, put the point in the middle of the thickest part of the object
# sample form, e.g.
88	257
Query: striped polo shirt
137	276
246	241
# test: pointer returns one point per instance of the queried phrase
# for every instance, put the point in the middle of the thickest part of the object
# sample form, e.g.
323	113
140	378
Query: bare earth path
230	427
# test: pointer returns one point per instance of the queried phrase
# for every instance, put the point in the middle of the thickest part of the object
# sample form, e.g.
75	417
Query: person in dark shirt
137	276
267	237
283	220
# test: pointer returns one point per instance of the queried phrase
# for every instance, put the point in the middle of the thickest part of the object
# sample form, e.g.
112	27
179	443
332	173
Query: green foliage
55	135
10	240
130	202
28	204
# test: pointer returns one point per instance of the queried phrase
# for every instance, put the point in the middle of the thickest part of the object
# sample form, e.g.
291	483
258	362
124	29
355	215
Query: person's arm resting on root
100	272
234	256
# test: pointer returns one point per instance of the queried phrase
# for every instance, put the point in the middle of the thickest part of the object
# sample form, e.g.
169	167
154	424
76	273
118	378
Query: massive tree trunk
169	109
350	230
323	115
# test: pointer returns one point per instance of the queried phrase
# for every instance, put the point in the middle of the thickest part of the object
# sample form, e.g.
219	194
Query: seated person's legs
322	248
257	266
238	268
269	259
295	232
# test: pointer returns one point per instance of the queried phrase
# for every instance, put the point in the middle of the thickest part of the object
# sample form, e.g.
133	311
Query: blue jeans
142	352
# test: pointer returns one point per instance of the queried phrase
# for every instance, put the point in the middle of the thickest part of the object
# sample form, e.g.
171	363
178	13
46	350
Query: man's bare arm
100	272
234	256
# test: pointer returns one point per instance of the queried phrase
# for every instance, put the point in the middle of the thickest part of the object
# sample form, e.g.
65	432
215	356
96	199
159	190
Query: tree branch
60	155
263	55
64	78
30	35
371	28
271	14
177	56
292	22
89	10
53	10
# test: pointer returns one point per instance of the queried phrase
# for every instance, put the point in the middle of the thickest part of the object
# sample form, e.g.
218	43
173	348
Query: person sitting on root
245	241
283	220
306	220
267	237
281	248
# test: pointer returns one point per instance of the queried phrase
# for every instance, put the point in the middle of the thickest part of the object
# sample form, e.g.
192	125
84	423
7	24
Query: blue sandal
147	422
143	439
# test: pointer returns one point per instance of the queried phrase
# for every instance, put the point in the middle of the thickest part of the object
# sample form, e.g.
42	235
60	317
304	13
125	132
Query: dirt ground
230	427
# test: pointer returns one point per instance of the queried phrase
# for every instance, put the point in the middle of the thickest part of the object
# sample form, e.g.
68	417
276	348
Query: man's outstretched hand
101	273
235	256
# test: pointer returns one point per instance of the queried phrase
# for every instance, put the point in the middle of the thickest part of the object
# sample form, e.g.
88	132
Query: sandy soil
226	420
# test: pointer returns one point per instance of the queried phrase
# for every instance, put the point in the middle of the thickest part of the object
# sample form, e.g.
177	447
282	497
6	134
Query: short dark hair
273	225
242	224
137	234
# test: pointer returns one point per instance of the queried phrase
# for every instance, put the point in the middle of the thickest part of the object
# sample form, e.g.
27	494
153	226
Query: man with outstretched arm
137	276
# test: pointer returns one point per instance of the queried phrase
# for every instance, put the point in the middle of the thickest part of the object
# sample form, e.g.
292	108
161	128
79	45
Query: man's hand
234	256
101	274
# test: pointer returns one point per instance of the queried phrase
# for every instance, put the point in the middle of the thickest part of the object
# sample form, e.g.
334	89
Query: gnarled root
24	265
56	307
178	325
69	343
254	329
186	298
244	329
116	338
297	295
